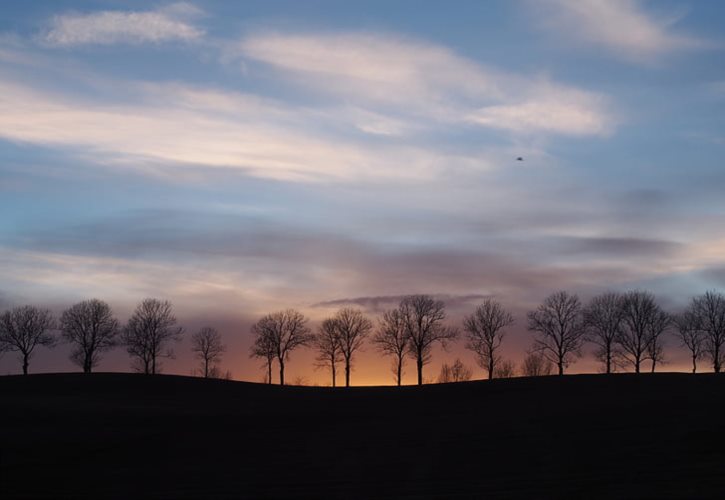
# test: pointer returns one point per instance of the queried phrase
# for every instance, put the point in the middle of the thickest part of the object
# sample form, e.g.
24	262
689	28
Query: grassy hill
583	436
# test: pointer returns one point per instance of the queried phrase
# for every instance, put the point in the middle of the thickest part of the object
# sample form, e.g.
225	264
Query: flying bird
520	158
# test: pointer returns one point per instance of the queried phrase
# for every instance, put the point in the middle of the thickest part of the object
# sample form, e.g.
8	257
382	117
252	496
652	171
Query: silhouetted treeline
627	330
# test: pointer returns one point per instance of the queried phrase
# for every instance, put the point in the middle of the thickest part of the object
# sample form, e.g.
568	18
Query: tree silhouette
92	329
24	328
485	332
659	324
505	369
282	332
536	364
423	318
457	372
392	339
352	328
558	321
151	327
708	313
207	345
691	336
264	347
327	342
640	310
603	319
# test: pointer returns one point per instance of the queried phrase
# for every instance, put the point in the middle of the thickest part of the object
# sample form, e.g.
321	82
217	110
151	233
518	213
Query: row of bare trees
627	329
91	329
412	329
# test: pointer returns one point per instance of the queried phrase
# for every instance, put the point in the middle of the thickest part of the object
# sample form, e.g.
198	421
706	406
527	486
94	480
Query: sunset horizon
238	160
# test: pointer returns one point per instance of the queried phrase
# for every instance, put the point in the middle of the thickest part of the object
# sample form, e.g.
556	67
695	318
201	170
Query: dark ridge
581	436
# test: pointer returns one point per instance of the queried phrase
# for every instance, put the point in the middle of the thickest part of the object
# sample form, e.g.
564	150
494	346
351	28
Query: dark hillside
584	436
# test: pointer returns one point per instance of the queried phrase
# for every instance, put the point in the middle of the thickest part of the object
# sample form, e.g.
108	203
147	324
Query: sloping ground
584	436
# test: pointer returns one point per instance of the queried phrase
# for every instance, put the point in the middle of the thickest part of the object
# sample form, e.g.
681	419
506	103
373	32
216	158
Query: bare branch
603	320
280	333
327	342
24	328
558	321
392	339
485	333
207	345
708	313
92	329
423	318
147	333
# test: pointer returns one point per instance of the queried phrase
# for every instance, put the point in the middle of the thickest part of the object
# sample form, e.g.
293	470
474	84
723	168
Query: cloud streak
430	81
171	23
209	129
622	27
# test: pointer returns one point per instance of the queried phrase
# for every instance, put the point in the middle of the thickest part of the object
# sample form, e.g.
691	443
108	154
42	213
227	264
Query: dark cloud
620	247
301	257
380	303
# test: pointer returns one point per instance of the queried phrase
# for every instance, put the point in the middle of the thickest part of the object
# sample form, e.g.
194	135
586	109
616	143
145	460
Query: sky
238	158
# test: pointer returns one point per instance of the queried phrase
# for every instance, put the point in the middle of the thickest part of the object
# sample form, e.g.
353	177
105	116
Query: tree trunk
269	371
347	373
419	362
560	364
333	374
490	368
281	372
694	364
400	370
25	364
609	361
716	359
653	365
206	368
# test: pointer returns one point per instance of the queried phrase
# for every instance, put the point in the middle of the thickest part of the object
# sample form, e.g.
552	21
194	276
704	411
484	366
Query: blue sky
239	158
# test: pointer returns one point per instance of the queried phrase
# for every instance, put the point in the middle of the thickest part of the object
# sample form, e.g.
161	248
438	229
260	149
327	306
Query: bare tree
536	364
282	332
24	328
659	324
207	345
327	342
264	347
603	319
505	369
423	318
691	336
92	329
392	339
457	372
146	335
708	312
352	328
485	332
558	320
640	311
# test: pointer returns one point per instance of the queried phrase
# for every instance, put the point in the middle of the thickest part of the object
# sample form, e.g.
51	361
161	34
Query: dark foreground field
586	436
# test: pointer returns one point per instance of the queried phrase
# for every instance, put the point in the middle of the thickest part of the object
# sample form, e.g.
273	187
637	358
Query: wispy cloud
378	304
173	22
623	27
423	79
207	128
